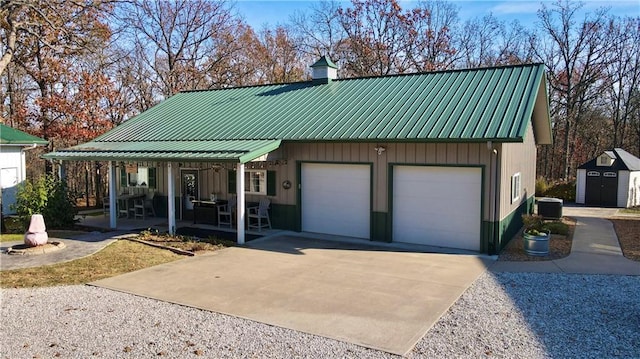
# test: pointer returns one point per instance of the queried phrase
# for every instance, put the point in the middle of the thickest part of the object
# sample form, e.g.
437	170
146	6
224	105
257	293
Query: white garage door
437	206
336	199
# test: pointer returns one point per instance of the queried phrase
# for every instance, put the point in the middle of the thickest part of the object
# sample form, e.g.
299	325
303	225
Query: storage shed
610	180
13	144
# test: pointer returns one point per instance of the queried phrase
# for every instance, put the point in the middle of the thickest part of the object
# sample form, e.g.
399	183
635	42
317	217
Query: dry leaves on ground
559	246
628	232
185	243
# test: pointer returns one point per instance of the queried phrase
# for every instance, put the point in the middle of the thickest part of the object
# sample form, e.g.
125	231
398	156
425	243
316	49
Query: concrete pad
377	298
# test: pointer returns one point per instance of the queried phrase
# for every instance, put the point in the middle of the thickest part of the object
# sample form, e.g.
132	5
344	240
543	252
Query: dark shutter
152	177
123	177
231	181
271	183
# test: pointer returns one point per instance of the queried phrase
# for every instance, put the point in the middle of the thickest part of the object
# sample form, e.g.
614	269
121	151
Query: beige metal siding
514	157
396	153
517	158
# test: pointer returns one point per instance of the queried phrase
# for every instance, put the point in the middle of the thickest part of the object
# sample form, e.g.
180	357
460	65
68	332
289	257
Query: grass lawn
61	234
118	258
632	210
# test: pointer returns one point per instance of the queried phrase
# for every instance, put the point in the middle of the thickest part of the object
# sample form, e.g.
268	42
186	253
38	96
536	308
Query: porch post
112	195
172	199
240	205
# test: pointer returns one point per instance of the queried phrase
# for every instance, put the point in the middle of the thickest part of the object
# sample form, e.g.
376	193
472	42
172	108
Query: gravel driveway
524	315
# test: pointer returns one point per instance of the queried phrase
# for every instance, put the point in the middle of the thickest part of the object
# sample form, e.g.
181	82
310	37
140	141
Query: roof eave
541	117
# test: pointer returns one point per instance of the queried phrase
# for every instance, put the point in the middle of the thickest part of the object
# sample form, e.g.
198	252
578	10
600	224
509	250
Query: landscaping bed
188	245
559	246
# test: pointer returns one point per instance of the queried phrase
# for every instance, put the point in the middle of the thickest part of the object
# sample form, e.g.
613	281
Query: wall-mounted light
379	149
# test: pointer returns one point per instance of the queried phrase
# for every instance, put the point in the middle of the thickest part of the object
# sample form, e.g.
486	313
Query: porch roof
224	151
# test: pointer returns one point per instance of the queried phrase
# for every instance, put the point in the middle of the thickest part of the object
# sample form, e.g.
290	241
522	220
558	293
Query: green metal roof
234	150
11	136
474	105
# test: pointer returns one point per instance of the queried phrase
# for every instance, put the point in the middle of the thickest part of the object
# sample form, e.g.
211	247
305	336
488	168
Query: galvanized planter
536	245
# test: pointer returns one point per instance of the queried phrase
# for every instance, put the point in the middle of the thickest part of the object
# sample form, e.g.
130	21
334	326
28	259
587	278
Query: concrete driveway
371	296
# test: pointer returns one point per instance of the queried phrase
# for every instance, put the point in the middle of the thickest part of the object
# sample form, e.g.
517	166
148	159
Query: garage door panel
336	199
437	206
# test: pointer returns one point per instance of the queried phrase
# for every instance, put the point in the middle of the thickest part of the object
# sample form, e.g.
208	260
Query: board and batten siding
448	154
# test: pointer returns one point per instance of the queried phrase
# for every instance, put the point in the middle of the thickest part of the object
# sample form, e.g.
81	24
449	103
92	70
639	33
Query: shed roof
475	105
12	136
623	160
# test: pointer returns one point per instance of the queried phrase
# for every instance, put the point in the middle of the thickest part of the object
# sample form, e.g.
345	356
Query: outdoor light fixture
379	149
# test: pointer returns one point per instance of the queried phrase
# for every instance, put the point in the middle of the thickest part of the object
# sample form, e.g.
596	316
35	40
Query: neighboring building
444	158
609	180
13	144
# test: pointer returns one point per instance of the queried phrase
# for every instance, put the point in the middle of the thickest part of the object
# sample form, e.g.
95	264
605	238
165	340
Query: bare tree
622	73
319	32
24	22
430	35
177	38
575	55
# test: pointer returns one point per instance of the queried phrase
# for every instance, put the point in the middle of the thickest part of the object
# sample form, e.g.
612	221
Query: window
255	181
135	176
515	187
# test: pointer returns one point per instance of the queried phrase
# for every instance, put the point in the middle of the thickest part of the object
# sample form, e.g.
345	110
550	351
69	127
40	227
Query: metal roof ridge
466	69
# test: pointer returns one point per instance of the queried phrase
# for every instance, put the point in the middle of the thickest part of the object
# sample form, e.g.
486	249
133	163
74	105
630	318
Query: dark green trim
123	177
152	173
510	225
271	183
380	227
231	181
482	237
283	216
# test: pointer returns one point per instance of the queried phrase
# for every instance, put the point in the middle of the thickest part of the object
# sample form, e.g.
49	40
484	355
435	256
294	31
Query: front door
189	185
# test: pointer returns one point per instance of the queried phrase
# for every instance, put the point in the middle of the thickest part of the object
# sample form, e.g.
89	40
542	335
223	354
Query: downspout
494	190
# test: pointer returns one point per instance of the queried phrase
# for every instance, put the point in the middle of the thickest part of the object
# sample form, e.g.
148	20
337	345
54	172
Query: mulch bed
628	232
559	246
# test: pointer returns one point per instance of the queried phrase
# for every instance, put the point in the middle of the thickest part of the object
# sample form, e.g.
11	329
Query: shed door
437	206
601	188
336	199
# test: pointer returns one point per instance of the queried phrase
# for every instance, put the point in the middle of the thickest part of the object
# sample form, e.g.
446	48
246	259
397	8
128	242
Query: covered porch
170	156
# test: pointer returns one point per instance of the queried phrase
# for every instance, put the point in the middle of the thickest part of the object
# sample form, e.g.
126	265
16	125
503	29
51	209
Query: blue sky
273	12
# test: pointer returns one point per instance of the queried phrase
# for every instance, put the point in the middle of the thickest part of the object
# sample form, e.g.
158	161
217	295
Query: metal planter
536	245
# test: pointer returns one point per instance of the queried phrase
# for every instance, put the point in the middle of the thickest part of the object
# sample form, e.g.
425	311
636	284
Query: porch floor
101	222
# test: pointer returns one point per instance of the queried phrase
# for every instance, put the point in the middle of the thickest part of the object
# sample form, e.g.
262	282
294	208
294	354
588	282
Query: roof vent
324	70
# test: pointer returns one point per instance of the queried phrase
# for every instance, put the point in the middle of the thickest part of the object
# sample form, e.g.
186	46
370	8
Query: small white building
609	180
13	144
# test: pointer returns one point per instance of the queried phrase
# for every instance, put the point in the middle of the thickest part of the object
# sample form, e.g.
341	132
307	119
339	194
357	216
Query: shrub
49	197
541	187
563	190
557	227
535	224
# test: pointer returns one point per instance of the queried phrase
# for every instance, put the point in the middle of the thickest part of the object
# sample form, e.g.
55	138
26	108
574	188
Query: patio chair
138	208
148	202
257	214
226	211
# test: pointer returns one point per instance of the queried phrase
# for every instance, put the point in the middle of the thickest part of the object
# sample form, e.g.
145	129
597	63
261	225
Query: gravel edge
524	315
